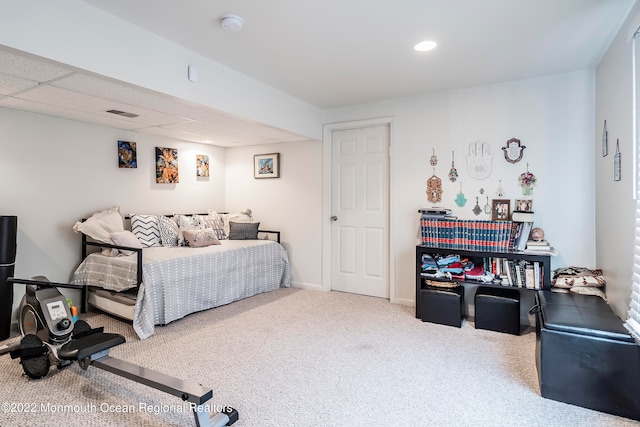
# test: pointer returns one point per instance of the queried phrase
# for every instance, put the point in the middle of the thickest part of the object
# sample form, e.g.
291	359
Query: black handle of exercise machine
43	282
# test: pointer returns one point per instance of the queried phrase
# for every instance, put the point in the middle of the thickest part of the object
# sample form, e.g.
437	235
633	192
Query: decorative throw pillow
242	216
215	222
126	238
146	229
243	230
185	222
168	230
101	224
201	238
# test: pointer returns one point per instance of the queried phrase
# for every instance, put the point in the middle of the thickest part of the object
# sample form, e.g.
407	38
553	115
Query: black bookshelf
543	259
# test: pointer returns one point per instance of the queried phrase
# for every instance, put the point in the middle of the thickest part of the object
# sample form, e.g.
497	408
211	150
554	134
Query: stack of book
435	213
539	247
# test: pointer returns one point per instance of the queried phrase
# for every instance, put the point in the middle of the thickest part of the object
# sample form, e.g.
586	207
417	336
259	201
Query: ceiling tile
11	84
25	67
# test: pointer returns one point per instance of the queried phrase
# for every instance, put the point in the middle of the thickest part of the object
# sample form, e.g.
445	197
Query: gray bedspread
180	281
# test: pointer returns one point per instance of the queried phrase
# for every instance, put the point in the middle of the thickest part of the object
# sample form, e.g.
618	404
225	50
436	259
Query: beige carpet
304	358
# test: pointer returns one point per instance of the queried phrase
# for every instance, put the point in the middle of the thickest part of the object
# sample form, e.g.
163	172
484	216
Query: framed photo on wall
266	165
500	209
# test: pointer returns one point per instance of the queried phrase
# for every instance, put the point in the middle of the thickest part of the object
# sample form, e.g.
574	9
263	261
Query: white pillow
193	222
241	216
100	225
126	238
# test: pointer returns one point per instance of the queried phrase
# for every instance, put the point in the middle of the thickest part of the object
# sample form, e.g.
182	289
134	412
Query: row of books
517	273
475	235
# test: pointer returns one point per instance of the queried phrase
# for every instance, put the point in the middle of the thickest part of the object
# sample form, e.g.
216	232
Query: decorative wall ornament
433	161
460	199
527	181
605	140
487	207
127	156
167	165
479	160
434	189
453	172
477	210
616	162
202	165
513	151
500	191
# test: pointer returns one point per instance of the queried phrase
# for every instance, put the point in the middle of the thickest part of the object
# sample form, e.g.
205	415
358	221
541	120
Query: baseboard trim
309	286
404	301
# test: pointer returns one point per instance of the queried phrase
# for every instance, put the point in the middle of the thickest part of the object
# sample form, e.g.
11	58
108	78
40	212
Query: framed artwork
524	205
166	165
500	209
266	165
127	156
202	165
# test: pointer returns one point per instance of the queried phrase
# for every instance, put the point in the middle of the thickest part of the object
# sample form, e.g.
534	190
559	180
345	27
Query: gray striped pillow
145	228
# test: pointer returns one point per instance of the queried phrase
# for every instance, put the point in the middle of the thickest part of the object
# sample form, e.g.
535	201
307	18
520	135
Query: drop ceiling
329	54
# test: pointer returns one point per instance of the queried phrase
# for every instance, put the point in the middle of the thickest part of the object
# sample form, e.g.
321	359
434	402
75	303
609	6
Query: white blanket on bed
179	281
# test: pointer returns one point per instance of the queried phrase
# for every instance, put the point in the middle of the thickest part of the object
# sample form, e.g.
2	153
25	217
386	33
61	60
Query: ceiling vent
122	113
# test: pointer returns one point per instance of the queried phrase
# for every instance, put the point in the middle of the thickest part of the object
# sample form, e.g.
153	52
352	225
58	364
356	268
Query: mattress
177	281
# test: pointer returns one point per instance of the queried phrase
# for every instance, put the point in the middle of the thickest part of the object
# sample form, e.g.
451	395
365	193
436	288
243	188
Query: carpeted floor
304	358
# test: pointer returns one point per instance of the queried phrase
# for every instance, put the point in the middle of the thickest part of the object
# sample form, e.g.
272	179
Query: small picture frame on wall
127	155
266	165
202	165
523	205
500	209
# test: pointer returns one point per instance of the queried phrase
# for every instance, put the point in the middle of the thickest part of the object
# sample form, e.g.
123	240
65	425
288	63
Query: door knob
334	218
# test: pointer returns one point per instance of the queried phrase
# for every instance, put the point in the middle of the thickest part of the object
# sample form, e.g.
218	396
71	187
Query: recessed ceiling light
425	46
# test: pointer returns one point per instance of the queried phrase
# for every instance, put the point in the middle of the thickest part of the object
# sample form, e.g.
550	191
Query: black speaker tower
8	233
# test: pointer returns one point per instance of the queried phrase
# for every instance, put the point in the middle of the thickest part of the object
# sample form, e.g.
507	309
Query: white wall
553	116
614	199
291	203
54	172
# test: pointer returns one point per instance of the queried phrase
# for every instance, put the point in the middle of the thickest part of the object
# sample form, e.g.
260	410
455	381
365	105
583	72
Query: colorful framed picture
202	165
166	165
500	209
127	156
266	165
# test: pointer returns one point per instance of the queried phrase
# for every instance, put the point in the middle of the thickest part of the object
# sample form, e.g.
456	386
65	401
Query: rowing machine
50	338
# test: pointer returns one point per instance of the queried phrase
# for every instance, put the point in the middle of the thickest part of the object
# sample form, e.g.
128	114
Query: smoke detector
231	22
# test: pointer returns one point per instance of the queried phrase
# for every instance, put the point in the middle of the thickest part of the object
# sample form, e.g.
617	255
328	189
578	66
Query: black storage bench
584	355
497	309
442	305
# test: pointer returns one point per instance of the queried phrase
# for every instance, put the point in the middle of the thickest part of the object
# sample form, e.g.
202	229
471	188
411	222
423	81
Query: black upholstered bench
584	355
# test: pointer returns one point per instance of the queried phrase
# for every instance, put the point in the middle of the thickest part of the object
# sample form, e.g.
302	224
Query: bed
176	281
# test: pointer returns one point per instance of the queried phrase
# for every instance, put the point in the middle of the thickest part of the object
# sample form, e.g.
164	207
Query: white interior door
360	211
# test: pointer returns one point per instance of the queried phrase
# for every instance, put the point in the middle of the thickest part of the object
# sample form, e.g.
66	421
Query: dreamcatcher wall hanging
434	184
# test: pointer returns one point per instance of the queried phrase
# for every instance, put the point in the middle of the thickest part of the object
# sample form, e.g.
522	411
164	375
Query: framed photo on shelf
524	205
500	209
266	165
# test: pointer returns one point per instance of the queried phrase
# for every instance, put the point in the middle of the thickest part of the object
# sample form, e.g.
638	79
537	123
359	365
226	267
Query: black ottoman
498	309
442	305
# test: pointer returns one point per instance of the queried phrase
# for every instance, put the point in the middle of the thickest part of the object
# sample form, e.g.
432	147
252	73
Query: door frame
327	130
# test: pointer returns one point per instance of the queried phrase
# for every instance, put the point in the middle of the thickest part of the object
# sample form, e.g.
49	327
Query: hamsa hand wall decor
479	160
